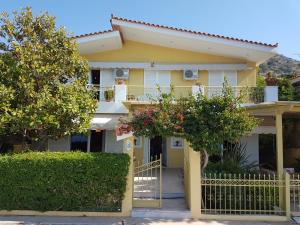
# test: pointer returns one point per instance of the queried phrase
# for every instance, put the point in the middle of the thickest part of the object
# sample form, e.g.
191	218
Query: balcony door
102	80
216	79
153	79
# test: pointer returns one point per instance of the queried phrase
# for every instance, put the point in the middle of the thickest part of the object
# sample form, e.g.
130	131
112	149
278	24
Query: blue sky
268	21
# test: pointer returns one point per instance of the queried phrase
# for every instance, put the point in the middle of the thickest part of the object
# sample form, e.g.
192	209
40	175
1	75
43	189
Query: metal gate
147	184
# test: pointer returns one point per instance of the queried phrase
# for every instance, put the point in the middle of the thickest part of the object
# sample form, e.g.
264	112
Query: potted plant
271	88
120	81
271	80
109	94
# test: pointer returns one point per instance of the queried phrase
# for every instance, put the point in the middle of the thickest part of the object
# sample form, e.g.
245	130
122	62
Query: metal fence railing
295	194
241	194
150	93
147	184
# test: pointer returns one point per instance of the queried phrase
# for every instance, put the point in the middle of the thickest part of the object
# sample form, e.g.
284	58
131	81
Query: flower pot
271	80
120	82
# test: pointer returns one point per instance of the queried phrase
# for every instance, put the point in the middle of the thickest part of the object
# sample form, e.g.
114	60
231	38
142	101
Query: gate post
127	201
287	196
195	183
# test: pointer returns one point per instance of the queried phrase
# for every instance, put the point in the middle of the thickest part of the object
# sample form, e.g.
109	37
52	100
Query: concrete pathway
31	220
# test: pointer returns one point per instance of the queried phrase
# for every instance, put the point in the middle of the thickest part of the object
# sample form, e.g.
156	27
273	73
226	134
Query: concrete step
161	213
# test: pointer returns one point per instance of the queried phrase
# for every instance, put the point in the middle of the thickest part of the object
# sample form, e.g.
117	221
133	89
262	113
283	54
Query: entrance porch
271	196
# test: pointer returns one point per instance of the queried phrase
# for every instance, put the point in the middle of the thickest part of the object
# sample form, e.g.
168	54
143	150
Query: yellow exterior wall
175	156
138	153
140	52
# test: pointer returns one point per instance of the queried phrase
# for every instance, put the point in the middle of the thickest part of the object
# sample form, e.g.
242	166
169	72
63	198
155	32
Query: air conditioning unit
190	74
121	74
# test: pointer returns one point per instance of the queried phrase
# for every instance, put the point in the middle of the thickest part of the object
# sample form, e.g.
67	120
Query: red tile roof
178	29
193	32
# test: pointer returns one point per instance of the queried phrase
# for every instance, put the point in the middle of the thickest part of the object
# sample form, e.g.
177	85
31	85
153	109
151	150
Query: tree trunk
204	160
40	145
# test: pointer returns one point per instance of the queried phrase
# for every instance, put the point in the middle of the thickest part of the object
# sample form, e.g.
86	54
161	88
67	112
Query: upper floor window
216	79
155	78
102	80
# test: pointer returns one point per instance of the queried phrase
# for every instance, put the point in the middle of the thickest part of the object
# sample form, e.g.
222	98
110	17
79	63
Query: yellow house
128	62
145	55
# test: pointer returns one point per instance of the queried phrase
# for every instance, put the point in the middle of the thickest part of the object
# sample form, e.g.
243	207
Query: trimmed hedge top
63	181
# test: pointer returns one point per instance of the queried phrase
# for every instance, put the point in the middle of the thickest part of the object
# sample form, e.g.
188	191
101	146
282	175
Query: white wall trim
161	66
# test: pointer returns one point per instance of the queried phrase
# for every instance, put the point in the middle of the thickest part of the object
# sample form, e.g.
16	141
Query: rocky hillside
281	65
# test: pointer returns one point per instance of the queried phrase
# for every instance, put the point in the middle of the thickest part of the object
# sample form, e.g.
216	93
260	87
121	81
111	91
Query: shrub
235	160
286	90
257	94
69	181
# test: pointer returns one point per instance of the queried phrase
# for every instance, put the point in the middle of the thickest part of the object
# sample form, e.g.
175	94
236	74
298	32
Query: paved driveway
31	220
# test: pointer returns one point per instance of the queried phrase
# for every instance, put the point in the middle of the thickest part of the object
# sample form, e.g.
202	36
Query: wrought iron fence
147	183
241	194
295	194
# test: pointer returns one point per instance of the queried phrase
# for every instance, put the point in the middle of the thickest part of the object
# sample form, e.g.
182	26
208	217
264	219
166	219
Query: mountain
280	65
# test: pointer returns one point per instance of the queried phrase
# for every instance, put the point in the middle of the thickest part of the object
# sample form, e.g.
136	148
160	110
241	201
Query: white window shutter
231	77
216	78
164	80
215	82
107	78
150	84
149	78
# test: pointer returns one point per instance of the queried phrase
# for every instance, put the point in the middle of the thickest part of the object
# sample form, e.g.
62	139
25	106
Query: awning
105	121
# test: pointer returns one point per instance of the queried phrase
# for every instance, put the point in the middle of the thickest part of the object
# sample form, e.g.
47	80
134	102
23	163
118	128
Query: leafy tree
260	81
204	122
42	80
209	122
286	90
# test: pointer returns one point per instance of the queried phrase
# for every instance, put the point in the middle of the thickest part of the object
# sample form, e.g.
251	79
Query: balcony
139	93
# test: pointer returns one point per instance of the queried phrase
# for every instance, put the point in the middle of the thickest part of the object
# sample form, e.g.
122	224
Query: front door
96	141
156	147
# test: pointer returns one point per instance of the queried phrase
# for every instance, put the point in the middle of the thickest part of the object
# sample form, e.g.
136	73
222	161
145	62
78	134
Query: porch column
195	183
279	156
279	144
127	201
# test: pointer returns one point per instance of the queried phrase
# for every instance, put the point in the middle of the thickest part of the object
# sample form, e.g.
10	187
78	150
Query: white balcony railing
99	91
141	93
144	93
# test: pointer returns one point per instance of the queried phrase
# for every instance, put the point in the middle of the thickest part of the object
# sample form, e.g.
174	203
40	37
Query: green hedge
70	181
